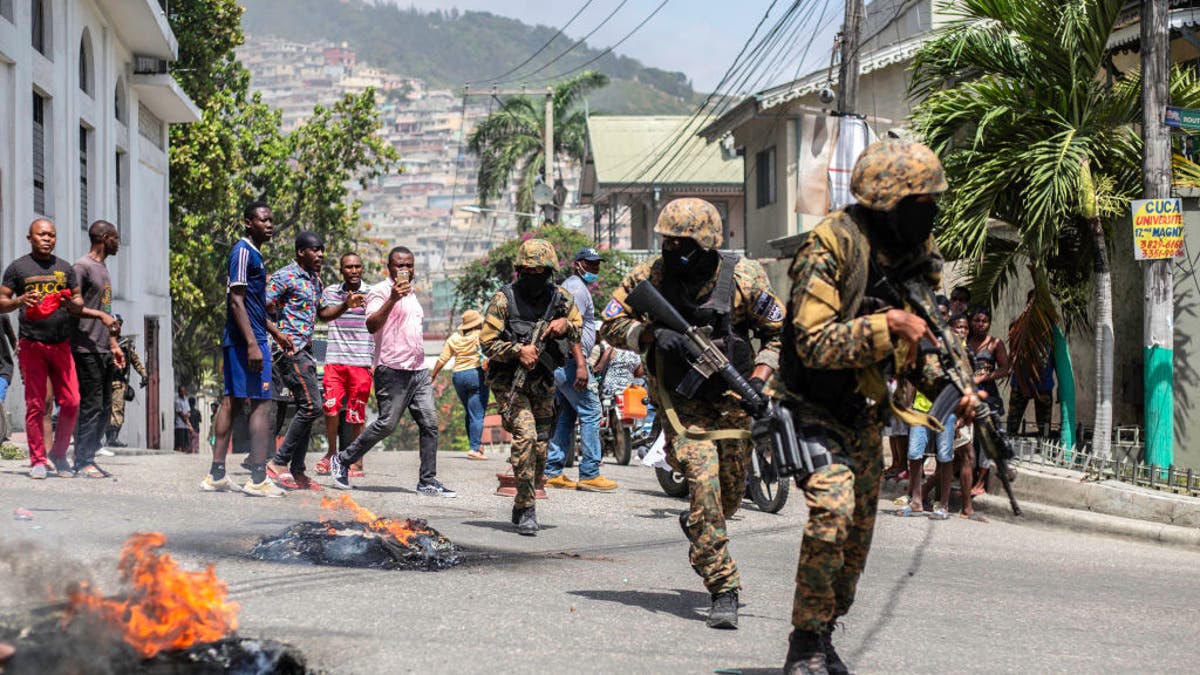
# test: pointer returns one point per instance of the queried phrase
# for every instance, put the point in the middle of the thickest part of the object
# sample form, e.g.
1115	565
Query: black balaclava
905	227
534	286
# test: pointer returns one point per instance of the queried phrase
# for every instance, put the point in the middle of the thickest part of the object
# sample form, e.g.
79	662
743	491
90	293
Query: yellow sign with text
1157	229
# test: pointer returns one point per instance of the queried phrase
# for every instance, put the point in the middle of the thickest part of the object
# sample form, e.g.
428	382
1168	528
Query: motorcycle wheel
571	451
673	483
622	439
768	492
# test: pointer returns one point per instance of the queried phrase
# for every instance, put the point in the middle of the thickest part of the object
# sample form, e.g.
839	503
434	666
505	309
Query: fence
1123	466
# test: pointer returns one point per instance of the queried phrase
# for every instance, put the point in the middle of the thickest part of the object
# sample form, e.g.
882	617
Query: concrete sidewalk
1065	498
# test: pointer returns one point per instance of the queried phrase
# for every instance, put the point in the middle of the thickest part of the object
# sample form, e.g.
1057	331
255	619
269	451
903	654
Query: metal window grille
150	127
83	177
119	100
39	154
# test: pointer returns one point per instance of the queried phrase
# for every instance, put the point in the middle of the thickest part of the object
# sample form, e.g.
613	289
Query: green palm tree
1038	131
510	139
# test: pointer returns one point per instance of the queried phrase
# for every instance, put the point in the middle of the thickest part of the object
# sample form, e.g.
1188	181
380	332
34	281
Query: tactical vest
523	316
835	390
733	339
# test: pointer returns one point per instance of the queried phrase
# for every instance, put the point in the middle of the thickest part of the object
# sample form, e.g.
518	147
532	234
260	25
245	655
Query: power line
543	47
611	47
572	47
737	65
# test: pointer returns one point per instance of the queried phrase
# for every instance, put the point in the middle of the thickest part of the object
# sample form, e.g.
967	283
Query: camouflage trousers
716	475
530	420
116	417
842	501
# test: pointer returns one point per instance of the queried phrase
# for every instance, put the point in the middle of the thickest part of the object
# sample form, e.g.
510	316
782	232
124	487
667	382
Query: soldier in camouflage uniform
528	412
708	433
840	340
120	384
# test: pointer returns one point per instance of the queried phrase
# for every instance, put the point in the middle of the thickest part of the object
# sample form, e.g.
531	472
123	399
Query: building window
39	27
84	140
764	169
119	104
6	9
39	154
122	181
85	63
150	127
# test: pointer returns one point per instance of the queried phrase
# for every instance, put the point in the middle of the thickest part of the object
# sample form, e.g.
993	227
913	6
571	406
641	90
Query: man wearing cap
293	293
468	376
573	403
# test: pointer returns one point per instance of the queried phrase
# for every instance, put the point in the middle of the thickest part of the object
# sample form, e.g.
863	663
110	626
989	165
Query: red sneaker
323	467
303	482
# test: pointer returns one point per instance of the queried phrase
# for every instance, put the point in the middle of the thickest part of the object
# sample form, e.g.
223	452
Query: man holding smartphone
396	321
348	358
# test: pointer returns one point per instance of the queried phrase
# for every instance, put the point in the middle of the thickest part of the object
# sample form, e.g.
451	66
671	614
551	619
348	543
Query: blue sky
698	37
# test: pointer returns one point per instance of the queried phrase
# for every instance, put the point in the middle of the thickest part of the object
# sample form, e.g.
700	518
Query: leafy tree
479	280
1032	133
237	153
510	139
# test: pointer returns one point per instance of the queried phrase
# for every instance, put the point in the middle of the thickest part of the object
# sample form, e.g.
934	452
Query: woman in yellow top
463	348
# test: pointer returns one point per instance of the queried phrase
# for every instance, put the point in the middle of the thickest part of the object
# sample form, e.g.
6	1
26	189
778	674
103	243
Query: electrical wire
570	49
611	47
543	47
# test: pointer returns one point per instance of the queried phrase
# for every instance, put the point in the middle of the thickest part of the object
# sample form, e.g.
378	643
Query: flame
169	608
402	530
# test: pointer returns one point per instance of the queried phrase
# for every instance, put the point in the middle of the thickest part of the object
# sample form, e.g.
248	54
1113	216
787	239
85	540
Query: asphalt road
606	586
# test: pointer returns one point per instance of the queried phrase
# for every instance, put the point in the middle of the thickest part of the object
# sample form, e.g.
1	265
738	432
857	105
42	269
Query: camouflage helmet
691	217
536	253
891	169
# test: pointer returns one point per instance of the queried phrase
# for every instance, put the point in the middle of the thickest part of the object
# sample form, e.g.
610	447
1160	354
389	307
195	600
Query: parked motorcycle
625	420
764	486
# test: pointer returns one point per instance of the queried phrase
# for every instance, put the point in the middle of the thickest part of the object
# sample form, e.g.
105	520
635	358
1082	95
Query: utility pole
547	131
1159	326
847	94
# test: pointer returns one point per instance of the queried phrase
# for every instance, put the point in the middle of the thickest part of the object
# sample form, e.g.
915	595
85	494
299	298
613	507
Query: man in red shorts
348	357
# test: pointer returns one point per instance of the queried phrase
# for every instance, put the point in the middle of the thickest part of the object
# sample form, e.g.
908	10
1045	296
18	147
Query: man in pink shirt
396	322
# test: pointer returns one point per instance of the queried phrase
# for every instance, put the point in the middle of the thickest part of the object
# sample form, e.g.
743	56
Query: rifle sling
668	408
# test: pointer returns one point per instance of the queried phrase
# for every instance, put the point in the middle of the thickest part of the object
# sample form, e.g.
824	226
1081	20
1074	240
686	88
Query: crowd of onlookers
955	450
69	349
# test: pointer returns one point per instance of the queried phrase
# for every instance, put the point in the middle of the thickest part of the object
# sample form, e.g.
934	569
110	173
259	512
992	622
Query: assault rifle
537	338
772	424
917	297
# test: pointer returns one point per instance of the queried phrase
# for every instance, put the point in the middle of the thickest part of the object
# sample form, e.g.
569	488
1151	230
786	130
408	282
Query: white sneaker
223	485
105	452
264	489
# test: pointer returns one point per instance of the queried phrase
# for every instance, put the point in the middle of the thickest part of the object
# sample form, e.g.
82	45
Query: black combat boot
528	524
516	515
833	663
724	610
683	518
805	654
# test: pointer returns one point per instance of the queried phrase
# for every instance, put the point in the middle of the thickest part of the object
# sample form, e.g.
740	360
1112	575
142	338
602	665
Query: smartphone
402	277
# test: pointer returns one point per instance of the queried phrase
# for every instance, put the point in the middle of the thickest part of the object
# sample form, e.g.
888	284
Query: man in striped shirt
348	357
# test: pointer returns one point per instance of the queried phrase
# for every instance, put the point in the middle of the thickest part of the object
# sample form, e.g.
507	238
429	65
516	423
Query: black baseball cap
589	254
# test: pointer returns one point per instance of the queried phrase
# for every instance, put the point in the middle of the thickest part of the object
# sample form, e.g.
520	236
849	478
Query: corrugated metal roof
644	149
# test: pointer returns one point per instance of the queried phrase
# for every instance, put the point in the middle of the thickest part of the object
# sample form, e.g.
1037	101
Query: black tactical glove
671	342
758	383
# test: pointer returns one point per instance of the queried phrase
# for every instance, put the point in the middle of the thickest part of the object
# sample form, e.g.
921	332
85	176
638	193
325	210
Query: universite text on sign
1157	228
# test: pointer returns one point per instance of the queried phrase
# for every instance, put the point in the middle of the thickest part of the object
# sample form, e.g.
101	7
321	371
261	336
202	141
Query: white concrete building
85	102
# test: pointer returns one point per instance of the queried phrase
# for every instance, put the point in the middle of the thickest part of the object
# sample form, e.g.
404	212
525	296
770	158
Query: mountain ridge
450	48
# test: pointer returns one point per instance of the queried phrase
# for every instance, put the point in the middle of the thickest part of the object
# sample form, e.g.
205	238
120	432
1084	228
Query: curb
1077	520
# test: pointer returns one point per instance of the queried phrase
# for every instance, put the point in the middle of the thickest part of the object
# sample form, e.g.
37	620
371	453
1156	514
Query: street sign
1157	228
1184	118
